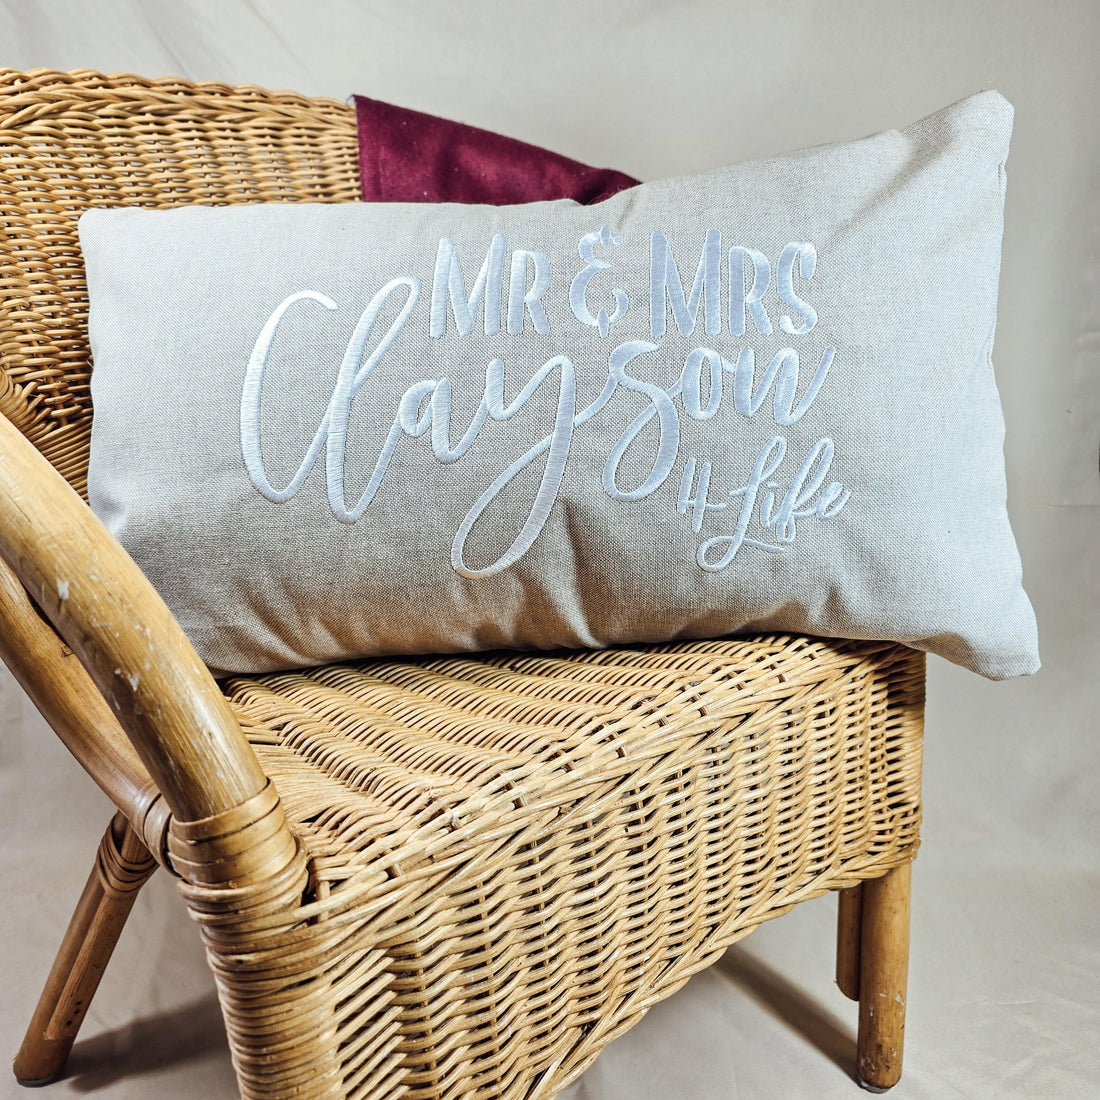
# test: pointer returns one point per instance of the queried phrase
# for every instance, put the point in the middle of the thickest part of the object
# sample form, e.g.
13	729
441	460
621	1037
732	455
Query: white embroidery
520	299
557	444
426	406
353	373
332	430
768	461
690	383
806	255
751	299
664	282
784	365
695	496
448	283
251	401
578	289
807	483
660	406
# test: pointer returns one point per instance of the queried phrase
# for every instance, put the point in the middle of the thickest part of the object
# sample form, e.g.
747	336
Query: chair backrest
69	141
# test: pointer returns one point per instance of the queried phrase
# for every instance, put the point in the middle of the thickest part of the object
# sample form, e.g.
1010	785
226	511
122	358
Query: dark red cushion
409	156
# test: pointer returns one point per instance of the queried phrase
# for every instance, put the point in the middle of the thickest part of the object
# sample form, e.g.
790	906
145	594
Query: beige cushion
760	398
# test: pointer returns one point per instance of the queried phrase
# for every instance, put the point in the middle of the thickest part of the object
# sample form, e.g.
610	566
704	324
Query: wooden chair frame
98	652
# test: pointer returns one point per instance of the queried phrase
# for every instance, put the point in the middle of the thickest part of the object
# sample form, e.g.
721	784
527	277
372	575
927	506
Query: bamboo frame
58	685
122	867
125	637
884	970
849	917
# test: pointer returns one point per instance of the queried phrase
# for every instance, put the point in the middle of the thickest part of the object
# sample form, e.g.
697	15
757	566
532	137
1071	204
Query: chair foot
39	1082
867	1087
123	864
883	974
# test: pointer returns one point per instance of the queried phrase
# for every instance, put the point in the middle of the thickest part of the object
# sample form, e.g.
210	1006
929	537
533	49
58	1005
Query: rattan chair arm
133	649
58	685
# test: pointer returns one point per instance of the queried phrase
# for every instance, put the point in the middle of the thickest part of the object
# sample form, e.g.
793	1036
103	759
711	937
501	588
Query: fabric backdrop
1004	992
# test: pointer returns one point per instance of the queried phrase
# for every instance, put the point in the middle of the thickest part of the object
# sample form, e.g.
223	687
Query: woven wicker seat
442	877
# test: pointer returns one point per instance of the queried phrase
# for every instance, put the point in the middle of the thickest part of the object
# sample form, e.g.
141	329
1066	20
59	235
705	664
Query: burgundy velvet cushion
409	156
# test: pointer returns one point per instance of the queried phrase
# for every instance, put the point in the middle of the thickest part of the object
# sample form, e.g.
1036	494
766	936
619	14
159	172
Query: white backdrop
1005	970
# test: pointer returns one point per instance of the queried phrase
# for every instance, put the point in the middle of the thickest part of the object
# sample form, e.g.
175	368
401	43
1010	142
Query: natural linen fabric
760	398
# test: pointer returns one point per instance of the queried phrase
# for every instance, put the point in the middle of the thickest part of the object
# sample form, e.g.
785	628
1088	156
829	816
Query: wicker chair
438	877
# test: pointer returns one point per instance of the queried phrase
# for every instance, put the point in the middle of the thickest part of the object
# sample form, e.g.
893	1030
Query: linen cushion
760	398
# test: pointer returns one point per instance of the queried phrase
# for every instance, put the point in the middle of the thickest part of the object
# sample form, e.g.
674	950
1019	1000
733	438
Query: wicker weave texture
507	860
73	140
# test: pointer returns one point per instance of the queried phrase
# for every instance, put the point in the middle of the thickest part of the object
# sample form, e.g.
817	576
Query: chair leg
883	972
122	866
848	917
